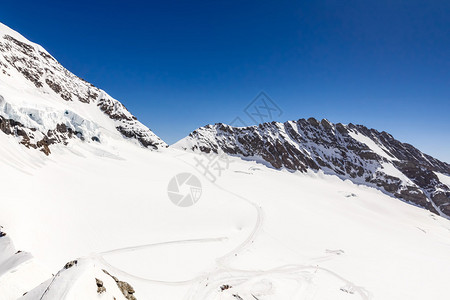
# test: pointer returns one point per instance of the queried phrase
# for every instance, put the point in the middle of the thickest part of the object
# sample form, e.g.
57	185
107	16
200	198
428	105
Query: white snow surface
445	179
377	148
265	233
19	271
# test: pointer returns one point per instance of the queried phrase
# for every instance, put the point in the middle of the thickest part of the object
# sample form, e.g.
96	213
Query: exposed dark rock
141	136
23	47
126	289
54	86
225	287
115	110
100	287
27	68
70	264
46	56
61	134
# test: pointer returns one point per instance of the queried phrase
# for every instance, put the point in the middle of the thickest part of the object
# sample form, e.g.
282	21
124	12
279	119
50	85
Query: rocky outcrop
100	288
365	156
32	138
70	264
126	289
83	278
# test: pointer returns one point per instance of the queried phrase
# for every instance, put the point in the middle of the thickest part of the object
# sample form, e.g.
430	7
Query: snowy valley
305	209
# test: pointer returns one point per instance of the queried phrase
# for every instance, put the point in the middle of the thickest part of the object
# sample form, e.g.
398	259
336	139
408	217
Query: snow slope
19	271
77	185
265	233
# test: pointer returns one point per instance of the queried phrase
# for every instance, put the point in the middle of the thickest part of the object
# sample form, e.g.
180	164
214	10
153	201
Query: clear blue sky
178	65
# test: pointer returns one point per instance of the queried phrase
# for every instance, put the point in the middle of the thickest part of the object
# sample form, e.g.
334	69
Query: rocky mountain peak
42	103
355	152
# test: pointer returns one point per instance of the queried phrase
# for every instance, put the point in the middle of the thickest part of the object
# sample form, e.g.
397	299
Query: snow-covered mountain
90	211
365	156
42	103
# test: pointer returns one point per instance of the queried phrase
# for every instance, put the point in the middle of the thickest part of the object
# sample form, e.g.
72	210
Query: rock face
81	279
100	288
31	138
365	156
126	289
28	67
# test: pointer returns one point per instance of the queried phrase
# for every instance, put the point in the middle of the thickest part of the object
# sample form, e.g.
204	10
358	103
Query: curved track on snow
292	270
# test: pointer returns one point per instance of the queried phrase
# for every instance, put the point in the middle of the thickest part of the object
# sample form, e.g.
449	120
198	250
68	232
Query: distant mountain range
354	152
42	103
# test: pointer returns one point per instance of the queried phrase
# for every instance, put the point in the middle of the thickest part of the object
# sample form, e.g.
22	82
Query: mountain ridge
61	106
354	152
